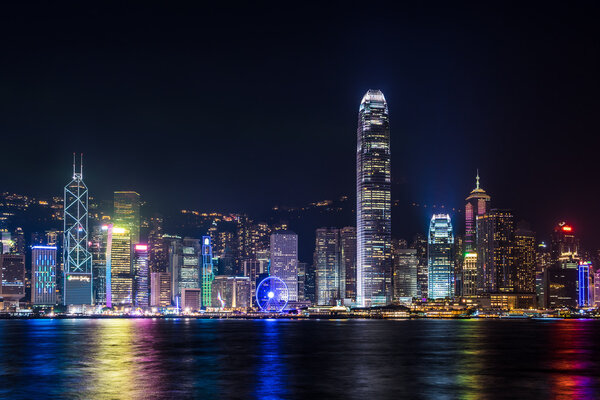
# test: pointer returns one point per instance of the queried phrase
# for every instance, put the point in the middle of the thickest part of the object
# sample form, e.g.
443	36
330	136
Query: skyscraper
478	203
127	213
284	260
12	277
348	262
440	257
140	275
405	264
160	290
76	257
373	202
208	274
327	264
43	271
120	280
495	252
525	262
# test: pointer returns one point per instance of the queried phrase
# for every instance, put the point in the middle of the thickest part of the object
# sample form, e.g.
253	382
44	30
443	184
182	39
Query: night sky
237	109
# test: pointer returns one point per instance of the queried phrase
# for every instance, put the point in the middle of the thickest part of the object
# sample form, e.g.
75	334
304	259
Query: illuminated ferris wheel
272	294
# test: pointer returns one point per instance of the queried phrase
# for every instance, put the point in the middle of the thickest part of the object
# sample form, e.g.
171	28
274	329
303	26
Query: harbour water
316	359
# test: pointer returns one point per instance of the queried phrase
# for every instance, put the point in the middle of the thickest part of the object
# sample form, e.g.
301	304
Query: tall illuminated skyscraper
478	203
327	264
120	277
440	257
127	213
373	202
76	257
284	260
141	275
207	272
43	271
348	262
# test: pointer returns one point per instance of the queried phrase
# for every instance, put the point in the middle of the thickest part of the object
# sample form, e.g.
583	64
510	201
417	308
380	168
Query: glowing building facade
77	275
327	264
373	202
440	257
478	203
284	260
208	274
121	277
127	213
348	262
43	271
140	275
583	286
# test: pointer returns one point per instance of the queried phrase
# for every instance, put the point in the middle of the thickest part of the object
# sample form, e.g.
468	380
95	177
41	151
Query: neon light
567	228
44	247
271	295
141	247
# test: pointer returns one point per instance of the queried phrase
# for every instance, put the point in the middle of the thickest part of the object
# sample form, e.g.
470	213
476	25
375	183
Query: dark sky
243	107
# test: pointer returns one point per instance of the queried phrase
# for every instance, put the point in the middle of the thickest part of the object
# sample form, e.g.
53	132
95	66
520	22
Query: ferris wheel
272	294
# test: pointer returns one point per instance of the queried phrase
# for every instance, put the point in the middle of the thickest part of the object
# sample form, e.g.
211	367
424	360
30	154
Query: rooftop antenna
73	164
81	166
477	179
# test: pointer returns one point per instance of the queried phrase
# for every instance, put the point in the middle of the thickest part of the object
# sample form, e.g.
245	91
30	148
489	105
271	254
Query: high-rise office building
140	275
12	277
420	244
231	292
160	289
373	202
302	281
127	213
478	203
284	260
525	260
254	269
120	279
469	275
495	252
405	264
43	271
348	262
583	287
158	249
565	245
441	258
77	270
208	274
327	264
98	250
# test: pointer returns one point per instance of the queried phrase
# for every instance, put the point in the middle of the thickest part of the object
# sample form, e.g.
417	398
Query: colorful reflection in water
573	362
273	359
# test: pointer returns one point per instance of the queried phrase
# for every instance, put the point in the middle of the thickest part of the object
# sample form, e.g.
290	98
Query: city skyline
140	121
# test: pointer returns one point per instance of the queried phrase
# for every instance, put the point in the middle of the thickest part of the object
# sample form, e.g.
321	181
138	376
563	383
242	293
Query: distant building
495	252
160	289
478	203
43	271
310	284
597	288
98	250
525	261
231	292
469	275
405	264
141	275
327	264
158	249
348	262
420	244
12	275
253	269
301	281
561	278
191	299
127	213
120	280
284	260
441	257
373	202
583	284
207	272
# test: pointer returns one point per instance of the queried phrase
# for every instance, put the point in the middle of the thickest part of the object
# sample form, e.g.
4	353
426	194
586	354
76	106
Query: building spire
73	164
81	166
477	180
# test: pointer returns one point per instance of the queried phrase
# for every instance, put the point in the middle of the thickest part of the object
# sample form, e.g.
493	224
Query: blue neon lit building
584	284
43	271
440	257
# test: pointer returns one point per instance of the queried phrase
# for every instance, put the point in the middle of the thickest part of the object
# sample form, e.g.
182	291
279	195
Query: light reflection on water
272	359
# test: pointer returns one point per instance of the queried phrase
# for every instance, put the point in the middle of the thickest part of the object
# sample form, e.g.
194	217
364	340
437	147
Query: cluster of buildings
121	261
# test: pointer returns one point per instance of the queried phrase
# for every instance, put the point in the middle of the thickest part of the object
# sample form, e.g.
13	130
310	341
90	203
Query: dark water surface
356	359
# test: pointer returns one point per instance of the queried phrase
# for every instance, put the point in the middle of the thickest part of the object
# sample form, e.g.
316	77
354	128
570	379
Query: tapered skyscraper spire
77	259
373	202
